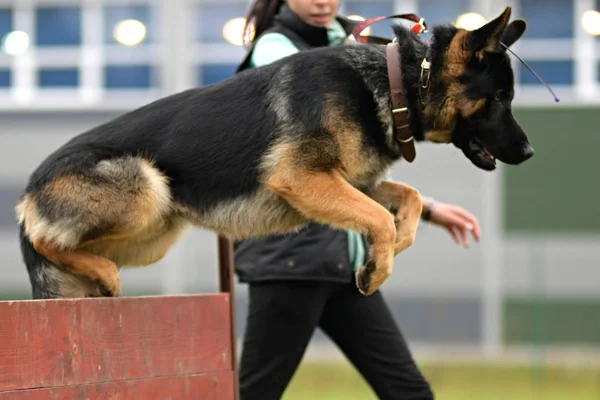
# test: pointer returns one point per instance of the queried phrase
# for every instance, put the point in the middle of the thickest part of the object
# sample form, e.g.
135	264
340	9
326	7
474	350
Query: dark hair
261	16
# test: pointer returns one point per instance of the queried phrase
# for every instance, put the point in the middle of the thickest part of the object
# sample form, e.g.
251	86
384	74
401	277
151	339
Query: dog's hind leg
404	202
328	198
120	199
83	263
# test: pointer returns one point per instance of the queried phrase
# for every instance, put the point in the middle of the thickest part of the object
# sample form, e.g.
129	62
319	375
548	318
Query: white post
491	240
23	90
584	56
175	44
491	288
92	52
176	75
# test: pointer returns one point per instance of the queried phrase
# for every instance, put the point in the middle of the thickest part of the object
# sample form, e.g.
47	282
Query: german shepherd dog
307	138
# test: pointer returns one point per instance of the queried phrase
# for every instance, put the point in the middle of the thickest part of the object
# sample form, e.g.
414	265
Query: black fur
35	263
199	138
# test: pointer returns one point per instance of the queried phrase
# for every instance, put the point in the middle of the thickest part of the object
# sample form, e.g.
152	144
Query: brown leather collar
401	125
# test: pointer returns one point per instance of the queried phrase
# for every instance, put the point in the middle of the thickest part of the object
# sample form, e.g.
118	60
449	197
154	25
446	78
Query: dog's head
471	88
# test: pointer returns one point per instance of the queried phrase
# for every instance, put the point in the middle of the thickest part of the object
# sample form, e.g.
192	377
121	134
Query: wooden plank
48	343
212	386
227	285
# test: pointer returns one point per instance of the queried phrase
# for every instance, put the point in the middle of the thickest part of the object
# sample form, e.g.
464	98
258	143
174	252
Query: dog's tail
42	274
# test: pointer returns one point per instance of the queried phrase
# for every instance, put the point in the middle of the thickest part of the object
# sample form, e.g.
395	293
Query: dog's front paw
110	286
363	278
370	277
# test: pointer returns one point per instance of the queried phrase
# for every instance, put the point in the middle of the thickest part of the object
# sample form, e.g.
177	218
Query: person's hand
456	220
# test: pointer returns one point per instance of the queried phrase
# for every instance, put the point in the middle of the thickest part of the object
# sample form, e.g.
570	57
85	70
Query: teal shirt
274	46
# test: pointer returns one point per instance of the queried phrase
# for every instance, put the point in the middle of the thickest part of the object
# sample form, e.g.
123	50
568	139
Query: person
301	281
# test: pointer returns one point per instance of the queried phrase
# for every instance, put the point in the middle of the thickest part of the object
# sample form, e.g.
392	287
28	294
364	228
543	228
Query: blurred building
68	65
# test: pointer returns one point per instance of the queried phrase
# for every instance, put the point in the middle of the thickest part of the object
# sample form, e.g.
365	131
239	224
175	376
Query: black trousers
282	318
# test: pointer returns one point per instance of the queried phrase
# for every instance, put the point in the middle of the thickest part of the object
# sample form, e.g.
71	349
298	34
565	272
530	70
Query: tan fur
456	101
468	107
145	248
448	113
457	54
132	201
38	227
357	164
259	215
438	136
157	200
329	198
84	263
407	201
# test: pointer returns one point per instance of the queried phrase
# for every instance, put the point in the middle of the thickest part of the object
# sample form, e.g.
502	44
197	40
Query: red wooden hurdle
129	348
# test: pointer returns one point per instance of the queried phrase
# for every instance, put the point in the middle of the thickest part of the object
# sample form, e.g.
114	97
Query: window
58	77
548	19
553	72
5	78
374	9
213	73
210	19
129	67
6	26
58	26
6	21
113	14
128	77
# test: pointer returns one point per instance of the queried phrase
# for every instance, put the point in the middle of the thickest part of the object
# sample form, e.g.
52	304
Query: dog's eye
501	95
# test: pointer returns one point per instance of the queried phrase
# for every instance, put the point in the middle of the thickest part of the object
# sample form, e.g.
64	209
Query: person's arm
271	47
455	219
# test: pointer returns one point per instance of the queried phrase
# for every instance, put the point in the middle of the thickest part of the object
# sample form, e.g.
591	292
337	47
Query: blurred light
367	30
129	32
591	22
470	21
15	43
233	31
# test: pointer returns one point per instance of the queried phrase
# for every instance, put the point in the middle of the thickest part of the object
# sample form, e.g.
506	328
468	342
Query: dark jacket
317	252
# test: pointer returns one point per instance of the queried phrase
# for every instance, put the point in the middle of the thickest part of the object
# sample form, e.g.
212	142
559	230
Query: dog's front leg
404	202
328	198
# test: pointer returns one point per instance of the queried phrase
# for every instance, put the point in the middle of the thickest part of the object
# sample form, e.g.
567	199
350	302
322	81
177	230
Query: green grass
337	381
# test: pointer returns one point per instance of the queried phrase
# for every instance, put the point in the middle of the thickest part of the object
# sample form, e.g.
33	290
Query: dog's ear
487	38
513	32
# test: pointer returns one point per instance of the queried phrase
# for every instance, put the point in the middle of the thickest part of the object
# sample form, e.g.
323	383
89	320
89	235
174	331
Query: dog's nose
527	151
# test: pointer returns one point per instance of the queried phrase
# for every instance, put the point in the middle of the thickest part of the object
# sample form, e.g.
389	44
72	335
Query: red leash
419	27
